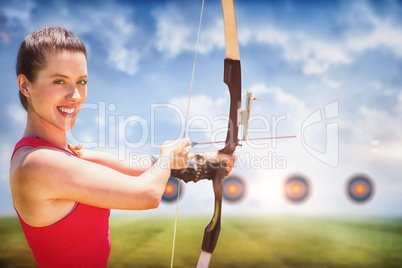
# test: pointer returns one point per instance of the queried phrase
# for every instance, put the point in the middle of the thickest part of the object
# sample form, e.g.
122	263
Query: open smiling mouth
68	112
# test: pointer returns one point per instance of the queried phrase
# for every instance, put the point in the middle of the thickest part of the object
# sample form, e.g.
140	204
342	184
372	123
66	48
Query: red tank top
81	239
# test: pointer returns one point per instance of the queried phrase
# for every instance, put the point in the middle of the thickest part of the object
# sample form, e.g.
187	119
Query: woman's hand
177	152
228	159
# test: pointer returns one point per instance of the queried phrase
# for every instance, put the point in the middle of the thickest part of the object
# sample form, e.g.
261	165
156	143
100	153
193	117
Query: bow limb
232	78
232	75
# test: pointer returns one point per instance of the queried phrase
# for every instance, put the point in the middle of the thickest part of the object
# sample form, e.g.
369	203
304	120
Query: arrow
266	138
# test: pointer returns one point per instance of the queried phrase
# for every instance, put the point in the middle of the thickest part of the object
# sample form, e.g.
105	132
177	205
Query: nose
74	95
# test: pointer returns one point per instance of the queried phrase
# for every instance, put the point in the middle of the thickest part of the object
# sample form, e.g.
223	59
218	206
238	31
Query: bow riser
232	78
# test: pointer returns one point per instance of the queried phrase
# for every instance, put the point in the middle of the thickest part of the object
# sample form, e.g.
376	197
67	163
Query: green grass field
253	242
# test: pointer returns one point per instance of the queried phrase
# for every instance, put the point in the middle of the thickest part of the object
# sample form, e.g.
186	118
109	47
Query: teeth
65	110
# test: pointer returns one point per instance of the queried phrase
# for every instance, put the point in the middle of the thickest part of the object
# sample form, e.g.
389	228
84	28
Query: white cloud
369	123
259	89
281	99
382	33
265	34
317	55
398	109
377	124
204	105
209	114
17	114
175	35
14	13
331	83
5	157
118	35
125	60
212	38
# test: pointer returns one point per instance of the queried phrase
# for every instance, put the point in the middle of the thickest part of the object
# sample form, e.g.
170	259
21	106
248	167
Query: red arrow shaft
266	138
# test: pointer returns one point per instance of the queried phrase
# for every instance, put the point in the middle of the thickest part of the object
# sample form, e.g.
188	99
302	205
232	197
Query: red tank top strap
35	142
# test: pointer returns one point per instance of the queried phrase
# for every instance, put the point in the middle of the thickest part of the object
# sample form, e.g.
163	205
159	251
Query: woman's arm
131	166
49	174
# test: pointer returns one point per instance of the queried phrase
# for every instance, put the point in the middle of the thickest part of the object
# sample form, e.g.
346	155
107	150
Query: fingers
191	156
187	141
186	147
180	152
230	161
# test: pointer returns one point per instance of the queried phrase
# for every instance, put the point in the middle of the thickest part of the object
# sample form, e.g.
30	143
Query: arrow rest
243	115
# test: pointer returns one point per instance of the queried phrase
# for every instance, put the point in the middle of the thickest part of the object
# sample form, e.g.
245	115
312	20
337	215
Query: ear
24	85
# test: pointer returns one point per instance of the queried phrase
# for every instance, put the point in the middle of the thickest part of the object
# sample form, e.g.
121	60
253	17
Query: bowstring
192	74
185	127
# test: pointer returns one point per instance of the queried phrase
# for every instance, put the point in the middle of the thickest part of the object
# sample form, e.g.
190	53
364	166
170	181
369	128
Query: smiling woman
58	91
63	202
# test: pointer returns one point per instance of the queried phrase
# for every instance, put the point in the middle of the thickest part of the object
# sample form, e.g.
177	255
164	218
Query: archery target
296	189
233	189
360	188
172	190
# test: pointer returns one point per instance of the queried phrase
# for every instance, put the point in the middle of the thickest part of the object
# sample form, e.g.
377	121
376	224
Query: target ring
172	190
233	189
297	188
360	188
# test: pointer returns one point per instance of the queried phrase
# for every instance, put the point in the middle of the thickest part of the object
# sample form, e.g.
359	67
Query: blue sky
340	60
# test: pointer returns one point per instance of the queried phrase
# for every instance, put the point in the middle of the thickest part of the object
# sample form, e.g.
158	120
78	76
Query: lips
67	111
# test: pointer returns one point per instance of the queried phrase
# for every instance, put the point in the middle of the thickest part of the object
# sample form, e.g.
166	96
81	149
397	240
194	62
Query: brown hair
38	45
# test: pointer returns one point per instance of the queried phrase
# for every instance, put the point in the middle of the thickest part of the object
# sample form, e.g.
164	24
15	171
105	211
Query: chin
69	124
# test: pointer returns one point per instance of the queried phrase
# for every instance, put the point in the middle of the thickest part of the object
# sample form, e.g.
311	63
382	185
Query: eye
82	82
59	82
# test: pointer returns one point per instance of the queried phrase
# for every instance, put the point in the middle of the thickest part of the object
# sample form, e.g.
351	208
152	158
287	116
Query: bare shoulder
32	169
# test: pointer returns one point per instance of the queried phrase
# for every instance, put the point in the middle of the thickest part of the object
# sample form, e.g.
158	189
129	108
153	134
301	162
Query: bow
237	116
232	78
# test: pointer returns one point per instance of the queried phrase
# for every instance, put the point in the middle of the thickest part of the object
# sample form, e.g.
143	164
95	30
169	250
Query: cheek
43	95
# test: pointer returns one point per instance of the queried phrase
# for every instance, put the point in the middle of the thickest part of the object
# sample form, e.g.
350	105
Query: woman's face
60	89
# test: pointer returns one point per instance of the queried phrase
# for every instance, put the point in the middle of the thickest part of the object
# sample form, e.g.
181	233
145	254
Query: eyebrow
65	76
